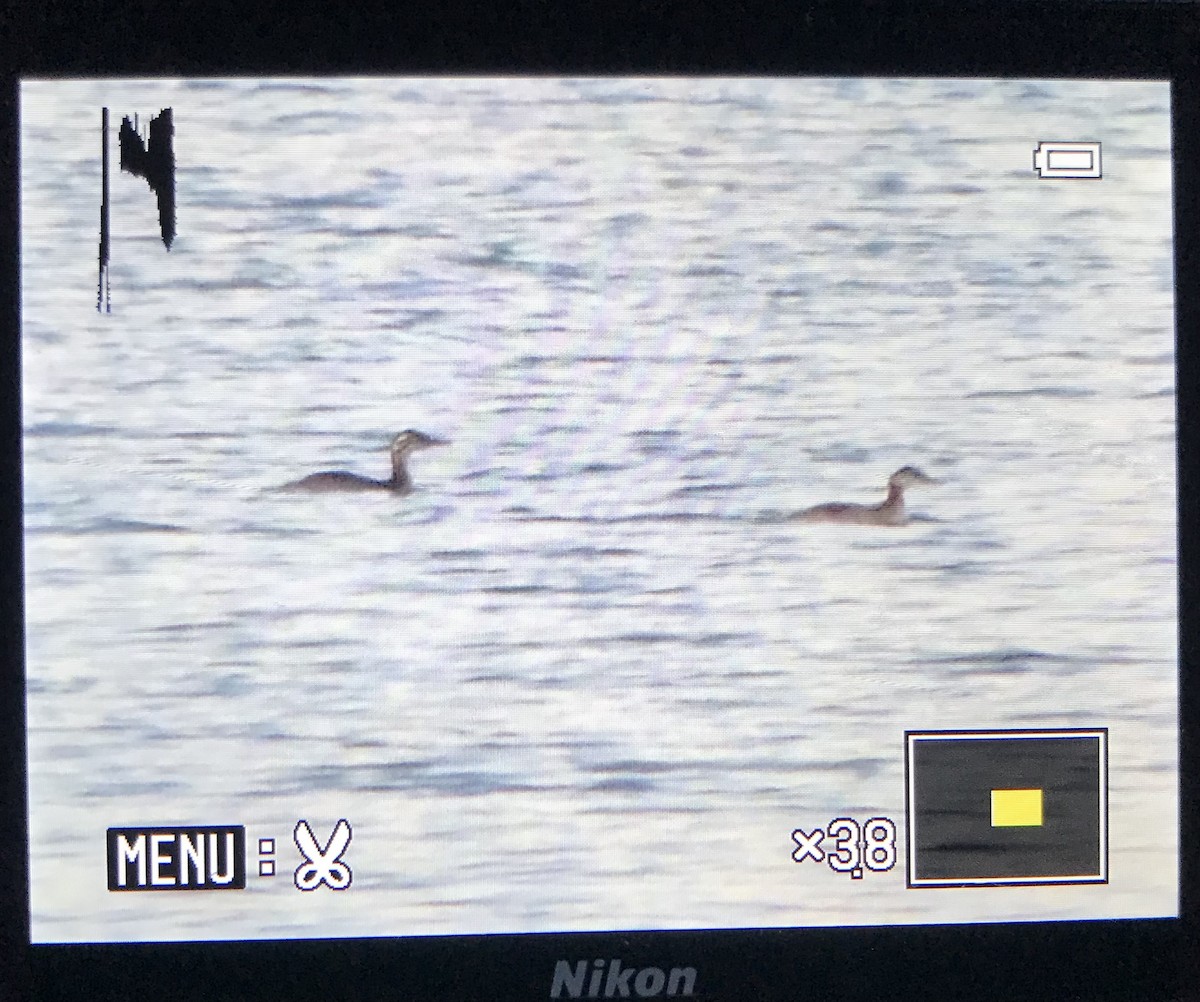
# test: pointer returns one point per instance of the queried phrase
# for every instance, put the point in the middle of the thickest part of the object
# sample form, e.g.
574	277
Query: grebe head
412	441
909	476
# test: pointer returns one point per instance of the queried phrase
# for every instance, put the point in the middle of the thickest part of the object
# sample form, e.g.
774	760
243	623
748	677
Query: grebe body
399	483
890	511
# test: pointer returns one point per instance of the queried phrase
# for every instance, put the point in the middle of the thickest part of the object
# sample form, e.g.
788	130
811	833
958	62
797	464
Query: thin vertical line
102	279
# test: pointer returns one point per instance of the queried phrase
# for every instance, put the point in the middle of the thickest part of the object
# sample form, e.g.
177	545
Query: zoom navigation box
1006	807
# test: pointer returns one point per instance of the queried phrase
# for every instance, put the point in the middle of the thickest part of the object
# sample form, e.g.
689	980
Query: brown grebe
399	483
890	511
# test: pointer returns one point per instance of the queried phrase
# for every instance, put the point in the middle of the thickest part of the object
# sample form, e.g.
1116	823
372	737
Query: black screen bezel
1153	959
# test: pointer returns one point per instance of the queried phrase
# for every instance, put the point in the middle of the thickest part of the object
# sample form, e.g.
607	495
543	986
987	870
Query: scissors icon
322	866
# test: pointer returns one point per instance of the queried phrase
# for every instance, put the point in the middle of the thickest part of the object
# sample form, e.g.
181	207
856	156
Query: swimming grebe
400	482
888	512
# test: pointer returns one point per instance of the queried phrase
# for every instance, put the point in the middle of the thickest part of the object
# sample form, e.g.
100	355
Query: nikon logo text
607	979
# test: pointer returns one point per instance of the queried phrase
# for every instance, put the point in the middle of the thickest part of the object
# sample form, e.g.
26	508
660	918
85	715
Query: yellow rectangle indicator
1016	808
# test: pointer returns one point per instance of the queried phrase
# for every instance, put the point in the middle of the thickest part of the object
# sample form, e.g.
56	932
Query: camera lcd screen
523	505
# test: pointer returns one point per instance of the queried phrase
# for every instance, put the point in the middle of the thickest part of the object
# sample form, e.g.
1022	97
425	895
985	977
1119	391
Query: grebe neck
401	481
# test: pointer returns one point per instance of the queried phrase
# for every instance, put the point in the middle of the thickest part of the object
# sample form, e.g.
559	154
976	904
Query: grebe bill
399	483
890	511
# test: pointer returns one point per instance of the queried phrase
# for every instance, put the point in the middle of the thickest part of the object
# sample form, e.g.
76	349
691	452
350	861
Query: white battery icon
1067	160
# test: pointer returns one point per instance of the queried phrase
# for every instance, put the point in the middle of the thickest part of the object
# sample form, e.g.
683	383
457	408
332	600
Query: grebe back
890	511
399	483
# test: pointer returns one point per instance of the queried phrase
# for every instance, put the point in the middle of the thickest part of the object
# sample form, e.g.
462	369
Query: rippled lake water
589	675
